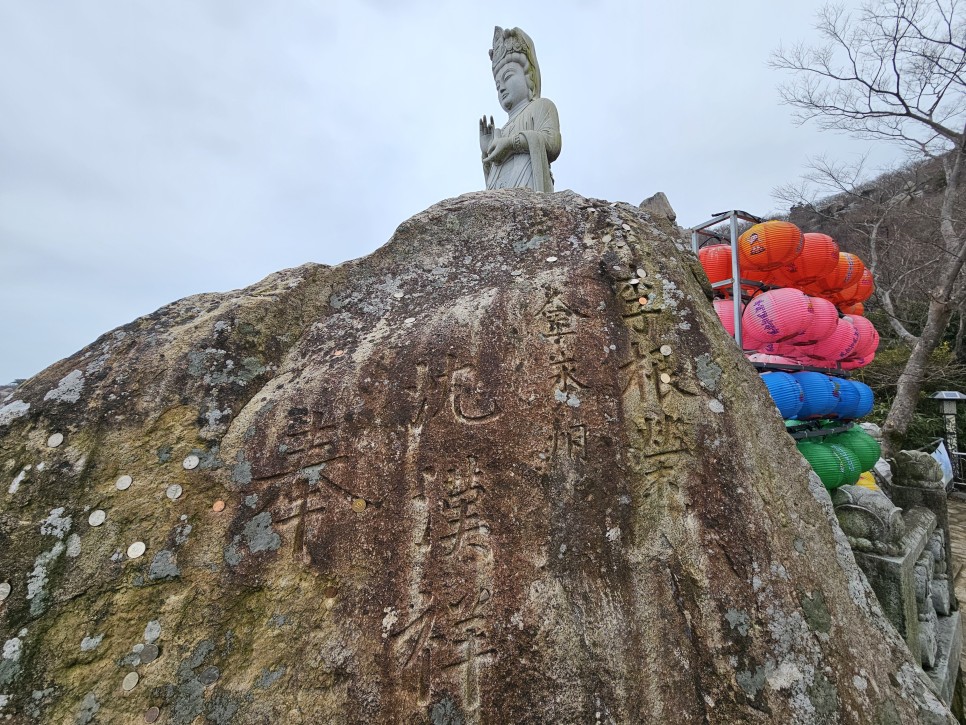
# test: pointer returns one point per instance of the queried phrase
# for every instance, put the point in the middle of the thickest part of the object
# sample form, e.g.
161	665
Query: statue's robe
538	123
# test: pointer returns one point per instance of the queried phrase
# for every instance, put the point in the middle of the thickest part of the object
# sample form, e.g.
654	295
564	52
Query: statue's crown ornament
514	42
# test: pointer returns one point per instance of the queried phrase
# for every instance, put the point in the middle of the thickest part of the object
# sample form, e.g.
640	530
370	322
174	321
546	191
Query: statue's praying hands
486	134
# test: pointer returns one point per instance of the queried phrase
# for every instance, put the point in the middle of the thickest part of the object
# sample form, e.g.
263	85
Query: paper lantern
748	339
851	468
867	480
786	392
759	357
821	394
776	348
858	291
858	362
866	399
824	462
769	245
716	261
725	310
847	271
866	286
815	362
825	319
840	344
849	399
762	279
868	337
777	315
865	447
854	309
750	344
820	254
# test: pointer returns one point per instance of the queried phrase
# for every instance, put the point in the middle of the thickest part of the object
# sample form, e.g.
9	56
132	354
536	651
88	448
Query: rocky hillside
508	468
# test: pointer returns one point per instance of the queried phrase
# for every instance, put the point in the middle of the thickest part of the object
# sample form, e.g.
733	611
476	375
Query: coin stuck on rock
174	491
149	653
124	483
136	550
191	462
4	590
97	517
358	505
152	714
130	681
218	506
55	440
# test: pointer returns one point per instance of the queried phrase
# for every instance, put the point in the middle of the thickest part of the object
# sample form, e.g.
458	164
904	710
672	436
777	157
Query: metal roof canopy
948	395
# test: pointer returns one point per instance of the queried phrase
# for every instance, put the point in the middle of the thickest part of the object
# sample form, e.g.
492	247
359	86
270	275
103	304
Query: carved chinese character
464	526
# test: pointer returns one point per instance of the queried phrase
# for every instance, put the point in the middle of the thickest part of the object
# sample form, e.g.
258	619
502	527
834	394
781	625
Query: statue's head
514	61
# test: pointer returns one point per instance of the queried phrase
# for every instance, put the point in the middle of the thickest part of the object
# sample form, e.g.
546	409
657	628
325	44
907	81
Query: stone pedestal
949	632
934	499
893	577
906	561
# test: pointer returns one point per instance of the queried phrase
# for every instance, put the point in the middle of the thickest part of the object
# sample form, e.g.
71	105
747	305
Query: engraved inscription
464	526
471	643
453	386
571	442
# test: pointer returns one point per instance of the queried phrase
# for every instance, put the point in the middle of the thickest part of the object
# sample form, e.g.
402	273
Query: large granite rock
508	468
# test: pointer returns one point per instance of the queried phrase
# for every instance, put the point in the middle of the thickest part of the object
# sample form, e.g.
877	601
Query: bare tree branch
895	71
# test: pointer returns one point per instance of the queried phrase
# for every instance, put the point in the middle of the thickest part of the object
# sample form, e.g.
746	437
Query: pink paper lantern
825	318
778	315
858	362
868	337
771	359
726	313
840	344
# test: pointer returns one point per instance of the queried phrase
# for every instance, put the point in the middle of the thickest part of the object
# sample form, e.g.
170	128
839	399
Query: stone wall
901	542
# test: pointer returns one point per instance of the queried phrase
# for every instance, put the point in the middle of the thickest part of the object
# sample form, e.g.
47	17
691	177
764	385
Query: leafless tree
895	70
888	220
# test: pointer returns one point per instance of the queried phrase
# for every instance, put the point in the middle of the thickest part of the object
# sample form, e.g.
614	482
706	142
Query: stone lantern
947	403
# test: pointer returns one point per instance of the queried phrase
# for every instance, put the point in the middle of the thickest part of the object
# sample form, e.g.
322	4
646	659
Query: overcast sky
153	150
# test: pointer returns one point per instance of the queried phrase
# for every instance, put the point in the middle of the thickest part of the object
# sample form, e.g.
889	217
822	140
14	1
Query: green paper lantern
852	469
829	467
865	447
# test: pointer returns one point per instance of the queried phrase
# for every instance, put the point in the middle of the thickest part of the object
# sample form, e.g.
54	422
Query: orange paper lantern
769	245
820	254
854	309
764	277
848	270
860	291
716	260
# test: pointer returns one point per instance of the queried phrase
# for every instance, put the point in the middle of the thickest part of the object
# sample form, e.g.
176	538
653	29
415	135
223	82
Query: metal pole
735	277
694	241
952	440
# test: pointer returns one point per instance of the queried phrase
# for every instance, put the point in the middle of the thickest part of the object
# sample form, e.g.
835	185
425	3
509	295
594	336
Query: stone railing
900	538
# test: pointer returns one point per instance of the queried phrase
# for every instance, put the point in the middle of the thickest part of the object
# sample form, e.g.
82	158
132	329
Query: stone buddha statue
520	153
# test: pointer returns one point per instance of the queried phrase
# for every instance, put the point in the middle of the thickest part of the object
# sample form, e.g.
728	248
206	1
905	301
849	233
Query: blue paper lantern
821	394
786	392
866	399
849	399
